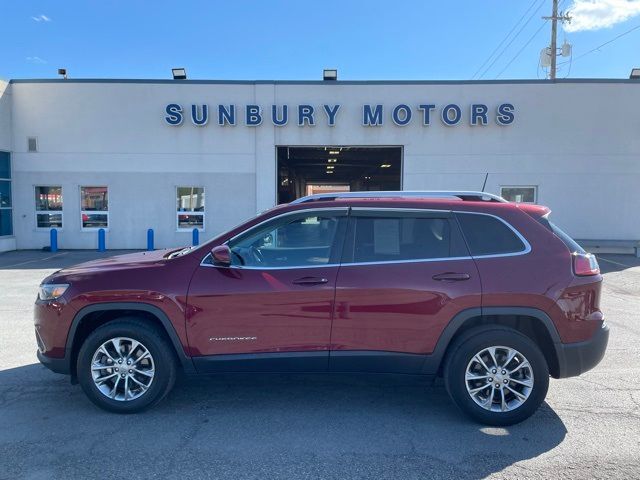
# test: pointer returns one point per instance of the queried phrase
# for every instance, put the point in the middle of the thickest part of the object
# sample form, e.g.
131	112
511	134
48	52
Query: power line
523	47
528	41
504	39
604	44
512	40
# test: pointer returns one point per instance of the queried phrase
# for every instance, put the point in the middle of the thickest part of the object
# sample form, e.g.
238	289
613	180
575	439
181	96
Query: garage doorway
329	169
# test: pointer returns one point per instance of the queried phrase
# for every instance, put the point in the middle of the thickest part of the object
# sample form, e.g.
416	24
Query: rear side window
486	235
380	239
571	244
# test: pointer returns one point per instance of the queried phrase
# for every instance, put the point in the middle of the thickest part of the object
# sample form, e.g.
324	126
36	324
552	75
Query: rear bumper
577	358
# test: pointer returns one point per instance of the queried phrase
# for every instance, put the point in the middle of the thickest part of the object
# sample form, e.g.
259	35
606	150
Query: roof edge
326	83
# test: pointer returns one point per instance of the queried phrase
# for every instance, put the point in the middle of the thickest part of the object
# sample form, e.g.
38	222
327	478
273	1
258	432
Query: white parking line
32	261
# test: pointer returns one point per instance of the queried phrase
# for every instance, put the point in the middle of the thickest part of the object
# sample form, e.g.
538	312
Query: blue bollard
53	240
101	241
150	239
196	237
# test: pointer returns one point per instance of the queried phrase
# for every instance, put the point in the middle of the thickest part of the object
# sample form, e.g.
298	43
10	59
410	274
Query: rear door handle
451	277
310	281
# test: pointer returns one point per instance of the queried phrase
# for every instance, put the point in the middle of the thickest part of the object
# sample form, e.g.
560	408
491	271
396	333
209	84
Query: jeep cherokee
490	295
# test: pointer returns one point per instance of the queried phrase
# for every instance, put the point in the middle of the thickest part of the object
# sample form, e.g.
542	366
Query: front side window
293	241
487	235
94	203
519	194
190	208
389	239
48	207
6	221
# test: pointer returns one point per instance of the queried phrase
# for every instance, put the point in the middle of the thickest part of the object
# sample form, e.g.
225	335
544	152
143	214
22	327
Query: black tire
155	342
474	341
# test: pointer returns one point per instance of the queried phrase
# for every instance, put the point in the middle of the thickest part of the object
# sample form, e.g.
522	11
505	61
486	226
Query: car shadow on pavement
261	426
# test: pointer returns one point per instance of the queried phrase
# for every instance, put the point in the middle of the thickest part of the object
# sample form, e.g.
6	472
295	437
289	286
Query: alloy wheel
122	369
499	379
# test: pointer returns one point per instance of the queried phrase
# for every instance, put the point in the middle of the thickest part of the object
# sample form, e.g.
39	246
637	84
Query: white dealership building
174	155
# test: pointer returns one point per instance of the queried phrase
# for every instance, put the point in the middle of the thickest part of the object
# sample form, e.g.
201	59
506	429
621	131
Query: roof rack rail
465	196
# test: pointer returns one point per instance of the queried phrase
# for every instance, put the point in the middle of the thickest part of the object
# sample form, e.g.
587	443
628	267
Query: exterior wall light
330	75
179	73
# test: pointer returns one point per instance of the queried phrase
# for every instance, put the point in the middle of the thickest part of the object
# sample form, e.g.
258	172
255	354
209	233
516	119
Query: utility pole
554	33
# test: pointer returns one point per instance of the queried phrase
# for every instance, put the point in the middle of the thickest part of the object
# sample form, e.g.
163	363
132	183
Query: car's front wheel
496	375
126	366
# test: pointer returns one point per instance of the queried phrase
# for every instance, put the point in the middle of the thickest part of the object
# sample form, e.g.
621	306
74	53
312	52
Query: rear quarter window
571	244
487	235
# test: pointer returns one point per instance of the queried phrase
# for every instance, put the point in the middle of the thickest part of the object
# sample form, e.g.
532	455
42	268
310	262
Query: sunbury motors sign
451	114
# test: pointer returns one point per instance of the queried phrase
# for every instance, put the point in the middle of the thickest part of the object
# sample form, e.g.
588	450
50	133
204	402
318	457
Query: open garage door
308	170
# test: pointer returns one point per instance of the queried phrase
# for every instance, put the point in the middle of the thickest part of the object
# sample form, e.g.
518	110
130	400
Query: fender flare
434	360
185	361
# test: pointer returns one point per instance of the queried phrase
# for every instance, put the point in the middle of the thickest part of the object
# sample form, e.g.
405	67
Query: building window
520	194
94	202
190	208
6	220
48	207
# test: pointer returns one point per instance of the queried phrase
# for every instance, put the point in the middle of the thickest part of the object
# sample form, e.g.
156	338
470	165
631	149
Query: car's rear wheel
126	366
496	375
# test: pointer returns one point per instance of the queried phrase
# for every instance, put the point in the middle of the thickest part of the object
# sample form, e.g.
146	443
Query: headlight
51	291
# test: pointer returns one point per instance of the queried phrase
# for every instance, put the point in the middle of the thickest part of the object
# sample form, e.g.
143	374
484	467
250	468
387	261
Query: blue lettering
254	116
305	114
479	112
274	115
426	113
401	119
200	120
174	114
226	116
331	114
447	119
505	114
371	117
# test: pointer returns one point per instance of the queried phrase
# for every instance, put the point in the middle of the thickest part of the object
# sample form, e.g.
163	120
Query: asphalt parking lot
312	426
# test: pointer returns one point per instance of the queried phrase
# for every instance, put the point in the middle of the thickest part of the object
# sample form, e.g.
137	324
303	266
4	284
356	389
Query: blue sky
242	39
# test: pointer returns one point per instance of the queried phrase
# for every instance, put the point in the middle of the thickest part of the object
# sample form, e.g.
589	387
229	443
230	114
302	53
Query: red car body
385	317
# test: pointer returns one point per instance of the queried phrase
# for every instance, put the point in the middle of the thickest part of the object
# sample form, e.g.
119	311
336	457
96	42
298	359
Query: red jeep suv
491	295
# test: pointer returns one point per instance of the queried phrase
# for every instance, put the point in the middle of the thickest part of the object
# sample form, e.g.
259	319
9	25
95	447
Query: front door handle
310	281
451	277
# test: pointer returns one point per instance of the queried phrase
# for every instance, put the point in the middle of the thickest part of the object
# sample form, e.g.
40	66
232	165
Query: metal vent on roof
32	144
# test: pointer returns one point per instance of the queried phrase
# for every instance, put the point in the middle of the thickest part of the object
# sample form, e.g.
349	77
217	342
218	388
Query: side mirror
221	256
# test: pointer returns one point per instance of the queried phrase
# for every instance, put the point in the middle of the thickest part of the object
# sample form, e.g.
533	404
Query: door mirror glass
221	256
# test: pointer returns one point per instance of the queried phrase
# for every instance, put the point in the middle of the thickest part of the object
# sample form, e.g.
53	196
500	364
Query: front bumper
58	365
577	358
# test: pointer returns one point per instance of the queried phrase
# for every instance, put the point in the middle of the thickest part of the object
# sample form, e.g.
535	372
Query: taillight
585	264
